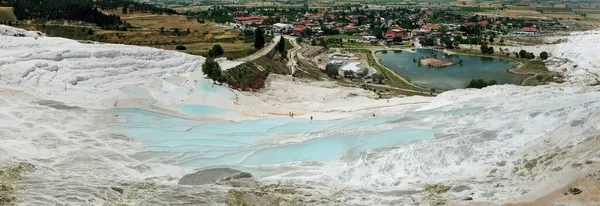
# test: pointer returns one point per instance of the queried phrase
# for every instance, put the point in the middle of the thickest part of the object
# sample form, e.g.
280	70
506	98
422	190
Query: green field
476	9
554	10
288	44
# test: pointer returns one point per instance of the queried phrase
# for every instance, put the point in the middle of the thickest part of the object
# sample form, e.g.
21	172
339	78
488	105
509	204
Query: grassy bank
288	45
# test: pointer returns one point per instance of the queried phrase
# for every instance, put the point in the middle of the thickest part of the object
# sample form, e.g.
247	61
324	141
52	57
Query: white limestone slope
575	58
79	156
90	75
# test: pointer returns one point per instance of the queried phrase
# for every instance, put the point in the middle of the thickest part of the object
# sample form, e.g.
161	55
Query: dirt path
292	53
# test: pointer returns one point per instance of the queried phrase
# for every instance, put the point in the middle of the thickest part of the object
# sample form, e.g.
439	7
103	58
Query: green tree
216	51
491	39
259	38
397	39
378	33
427	42
348	74
306	32
332	70
544	55
299	40
364	72
486	50
377	78
523	54
212	70
281	45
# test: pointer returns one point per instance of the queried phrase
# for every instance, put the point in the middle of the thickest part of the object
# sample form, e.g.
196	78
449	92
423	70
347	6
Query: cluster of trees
129	6
81	10
480	83
212	70
486	50
174	32
427	41
448	42
378	78
306	32
319	41
78	10
471	40
525	55
472	30
216	51
9	23
328	31
217	14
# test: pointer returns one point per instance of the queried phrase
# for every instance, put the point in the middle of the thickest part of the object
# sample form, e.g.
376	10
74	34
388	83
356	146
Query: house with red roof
431	26
391	34
484	23
529	29
297	31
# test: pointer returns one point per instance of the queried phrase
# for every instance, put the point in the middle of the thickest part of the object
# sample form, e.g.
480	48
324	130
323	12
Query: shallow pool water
451	77
208	87
198	110
267	142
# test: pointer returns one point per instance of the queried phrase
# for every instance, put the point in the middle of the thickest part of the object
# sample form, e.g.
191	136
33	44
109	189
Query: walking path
230	64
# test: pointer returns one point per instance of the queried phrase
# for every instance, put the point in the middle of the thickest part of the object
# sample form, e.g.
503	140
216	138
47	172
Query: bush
216	51
480	83
486	50
349	74
544	55
256	81
180	47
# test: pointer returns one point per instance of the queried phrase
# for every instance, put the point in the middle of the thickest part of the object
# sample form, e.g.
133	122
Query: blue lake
451	77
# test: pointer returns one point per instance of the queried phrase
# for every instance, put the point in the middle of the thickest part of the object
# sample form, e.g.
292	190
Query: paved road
226	64
261	52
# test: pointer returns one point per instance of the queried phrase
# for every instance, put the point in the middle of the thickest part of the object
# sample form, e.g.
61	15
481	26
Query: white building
282	28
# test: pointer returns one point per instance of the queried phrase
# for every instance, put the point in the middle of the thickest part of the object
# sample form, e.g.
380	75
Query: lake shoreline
509	70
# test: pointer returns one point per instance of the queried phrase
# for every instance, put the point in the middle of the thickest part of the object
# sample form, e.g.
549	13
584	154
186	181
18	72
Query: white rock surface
80	154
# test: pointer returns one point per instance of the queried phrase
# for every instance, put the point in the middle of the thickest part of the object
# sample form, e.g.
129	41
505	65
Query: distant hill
80	10
7	14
